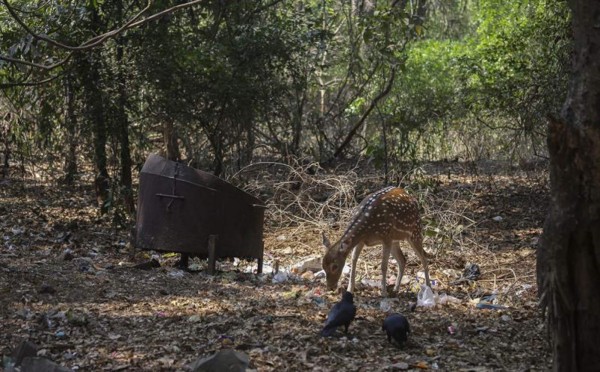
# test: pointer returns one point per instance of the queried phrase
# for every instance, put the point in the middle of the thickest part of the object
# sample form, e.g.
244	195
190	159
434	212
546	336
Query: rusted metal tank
186	210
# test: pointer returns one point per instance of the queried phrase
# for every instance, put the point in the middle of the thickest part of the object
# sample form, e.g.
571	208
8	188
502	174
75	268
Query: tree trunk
5	132
123	127
96	120
170	140
569	258
70	167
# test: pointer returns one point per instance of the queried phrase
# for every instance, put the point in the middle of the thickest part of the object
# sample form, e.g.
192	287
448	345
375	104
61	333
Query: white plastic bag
425	297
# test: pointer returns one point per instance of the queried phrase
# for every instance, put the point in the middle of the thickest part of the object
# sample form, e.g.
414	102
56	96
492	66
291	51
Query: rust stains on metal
180	207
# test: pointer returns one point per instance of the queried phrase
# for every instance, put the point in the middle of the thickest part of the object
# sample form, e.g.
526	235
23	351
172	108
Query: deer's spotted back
389	211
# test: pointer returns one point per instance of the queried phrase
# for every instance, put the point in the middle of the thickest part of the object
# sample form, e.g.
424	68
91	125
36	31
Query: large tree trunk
569	259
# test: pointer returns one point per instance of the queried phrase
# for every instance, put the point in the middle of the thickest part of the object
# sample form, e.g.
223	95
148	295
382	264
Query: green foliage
498	82
236	80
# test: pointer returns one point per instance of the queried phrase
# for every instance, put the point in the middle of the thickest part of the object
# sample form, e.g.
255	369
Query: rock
37	364
24	350
222	360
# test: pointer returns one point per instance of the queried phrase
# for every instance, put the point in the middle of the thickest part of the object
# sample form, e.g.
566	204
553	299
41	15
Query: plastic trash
281	277
488	306
444	299
320	274
176	274
425	297
312	263
385	305
472	272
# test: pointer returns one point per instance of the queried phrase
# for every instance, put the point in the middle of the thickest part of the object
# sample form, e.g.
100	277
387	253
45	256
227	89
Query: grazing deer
384	217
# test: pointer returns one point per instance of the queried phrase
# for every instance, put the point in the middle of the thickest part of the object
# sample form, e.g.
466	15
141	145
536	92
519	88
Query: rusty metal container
186	210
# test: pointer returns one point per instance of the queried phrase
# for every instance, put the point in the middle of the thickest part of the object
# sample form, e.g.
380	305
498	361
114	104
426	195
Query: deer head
333	262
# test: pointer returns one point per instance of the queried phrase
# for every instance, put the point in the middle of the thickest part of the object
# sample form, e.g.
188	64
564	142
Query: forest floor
68	285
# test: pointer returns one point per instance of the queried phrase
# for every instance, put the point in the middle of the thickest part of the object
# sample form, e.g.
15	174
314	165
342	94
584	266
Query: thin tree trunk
170	140
569	258
6	142
70	167
96	119
123	128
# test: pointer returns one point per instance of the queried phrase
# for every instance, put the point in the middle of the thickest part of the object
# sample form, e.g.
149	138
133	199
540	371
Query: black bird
397	328
341	314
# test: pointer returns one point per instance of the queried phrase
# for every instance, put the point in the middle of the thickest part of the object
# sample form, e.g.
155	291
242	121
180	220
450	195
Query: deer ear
326	241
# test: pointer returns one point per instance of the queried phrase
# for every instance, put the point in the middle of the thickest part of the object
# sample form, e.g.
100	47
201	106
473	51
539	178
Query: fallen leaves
68	285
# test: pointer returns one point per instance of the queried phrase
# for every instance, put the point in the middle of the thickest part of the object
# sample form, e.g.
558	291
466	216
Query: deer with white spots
384	217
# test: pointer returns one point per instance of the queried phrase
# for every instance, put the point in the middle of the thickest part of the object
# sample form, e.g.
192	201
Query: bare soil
96	312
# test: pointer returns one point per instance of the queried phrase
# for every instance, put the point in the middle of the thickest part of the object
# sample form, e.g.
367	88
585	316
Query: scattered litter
313	264
524	288
484	305
385	305
308	275
320	274
176	274
316	296
425	297
498	218
281	277
472	272
370	282
451	329
444	299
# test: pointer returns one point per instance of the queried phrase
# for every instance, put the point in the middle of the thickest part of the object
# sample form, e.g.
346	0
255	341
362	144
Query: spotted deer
384	217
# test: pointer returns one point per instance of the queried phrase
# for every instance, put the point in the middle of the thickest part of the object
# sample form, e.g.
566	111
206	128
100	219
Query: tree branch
91	43
30	83
86	45
37	65
373	104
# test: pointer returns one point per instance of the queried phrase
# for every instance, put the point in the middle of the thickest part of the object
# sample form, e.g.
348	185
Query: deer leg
399	256
355	254
417	245
387	247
